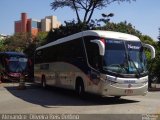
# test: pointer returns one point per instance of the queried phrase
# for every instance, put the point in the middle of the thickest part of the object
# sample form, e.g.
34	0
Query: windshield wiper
129	59
111	71
139	74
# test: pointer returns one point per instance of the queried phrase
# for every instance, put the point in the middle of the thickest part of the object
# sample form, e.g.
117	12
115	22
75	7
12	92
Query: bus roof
13	53
98	33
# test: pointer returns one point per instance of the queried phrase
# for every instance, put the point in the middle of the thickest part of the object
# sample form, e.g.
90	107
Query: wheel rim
80	90
43	84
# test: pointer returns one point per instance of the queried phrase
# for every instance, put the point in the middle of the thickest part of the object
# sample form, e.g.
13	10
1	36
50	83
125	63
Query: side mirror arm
151	48
100	45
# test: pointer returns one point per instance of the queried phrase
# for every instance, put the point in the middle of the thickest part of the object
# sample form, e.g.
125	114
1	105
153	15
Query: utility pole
159	35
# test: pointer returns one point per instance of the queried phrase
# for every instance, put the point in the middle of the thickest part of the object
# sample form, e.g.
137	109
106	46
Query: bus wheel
1	79
43	82
117	97
80	88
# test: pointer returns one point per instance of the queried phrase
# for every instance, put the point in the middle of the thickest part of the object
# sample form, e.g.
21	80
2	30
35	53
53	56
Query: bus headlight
112	82
111	79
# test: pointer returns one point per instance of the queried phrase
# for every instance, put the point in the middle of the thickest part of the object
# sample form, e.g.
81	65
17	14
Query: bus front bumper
114	90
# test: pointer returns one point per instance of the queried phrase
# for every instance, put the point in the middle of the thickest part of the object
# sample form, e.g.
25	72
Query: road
35	99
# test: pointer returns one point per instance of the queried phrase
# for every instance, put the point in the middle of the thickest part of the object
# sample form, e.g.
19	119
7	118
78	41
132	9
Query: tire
1	78
80	88
117	97
43	82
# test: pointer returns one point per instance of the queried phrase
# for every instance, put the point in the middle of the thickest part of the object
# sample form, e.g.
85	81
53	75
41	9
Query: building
3	37
49	22
27	25
33	26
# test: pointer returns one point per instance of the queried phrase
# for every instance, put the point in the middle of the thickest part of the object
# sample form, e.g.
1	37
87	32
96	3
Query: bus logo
133	47
129	85
130	81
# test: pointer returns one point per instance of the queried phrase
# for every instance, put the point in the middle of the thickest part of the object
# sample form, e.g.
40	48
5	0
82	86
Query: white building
49	22
2	36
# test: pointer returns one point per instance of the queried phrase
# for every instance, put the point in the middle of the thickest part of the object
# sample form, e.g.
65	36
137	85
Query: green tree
65	30
123	27
41	38
18	42
86	6
2	46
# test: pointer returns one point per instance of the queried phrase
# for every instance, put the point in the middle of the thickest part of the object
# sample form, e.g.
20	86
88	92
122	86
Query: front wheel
117	97
80	88
43	82
1	78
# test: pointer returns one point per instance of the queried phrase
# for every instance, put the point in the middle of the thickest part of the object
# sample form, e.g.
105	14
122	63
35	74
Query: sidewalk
155	87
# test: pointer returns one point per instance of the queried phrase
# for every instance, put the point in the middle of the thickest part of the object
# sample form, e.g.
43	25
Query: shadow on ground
61	97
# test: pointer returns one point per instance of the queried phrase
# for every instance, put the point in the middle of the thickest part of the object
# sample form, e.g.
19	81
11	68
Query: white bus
100	62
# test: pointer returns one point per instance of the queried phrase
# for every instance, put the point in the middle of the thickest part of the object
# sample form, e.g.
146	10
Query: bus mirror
100	45
151	48
30	62
7	61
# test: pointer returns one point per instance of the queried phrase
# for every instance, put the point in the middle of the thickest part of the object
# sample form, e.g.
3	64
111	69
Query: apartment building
33	26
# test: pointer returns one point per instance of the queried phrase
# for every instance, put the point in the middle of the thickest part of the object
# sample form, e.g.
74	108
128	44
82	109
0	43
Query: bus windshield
17	64
124	57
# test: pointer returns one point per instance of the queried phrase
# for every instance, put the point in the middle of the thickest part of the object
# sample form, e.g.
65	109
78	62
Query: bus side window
73	50
38	56
1	65
4	62
78	50
93	54
44	67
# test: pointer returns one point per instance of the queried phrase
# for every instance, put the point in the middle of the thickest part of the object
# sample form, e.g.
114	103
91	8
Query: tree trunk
86	13
78	18
89	18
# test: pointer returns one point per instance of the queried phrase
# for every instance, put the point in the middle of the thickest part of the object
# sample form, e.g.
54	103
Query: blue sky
143	14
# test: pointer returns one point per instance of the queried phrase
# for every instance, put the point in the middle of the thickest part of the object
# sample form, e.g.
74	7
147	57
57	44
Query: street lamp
107	15
104	20
159	35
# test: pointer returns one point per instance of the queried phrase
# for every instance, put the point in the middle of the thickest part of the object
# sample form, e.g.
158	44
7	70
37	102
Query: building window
36	24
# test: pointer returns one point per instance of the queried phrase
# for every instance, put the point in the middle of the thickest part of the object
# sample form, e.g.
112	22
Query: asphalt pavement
36	100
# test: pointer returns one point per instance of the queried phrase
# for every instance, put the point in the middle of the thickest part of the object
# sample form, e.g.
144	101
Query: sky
143	14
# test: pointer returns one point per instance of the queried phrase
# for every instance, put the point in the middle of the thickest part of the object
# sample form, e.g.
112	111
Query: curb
21	87
153	89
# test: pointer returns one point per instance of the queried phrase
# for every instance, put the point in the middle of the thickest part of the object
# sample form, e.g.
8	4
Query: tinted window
62	52
92	50
126	57
115	52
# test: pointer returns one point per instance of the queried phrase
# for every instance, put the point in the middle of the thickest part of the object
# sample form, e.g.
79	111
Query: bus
105	63
12	65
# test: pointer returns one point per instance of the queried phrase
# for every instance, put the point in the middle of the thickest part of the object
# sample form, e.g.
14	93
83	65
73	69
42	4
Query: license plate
128	92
